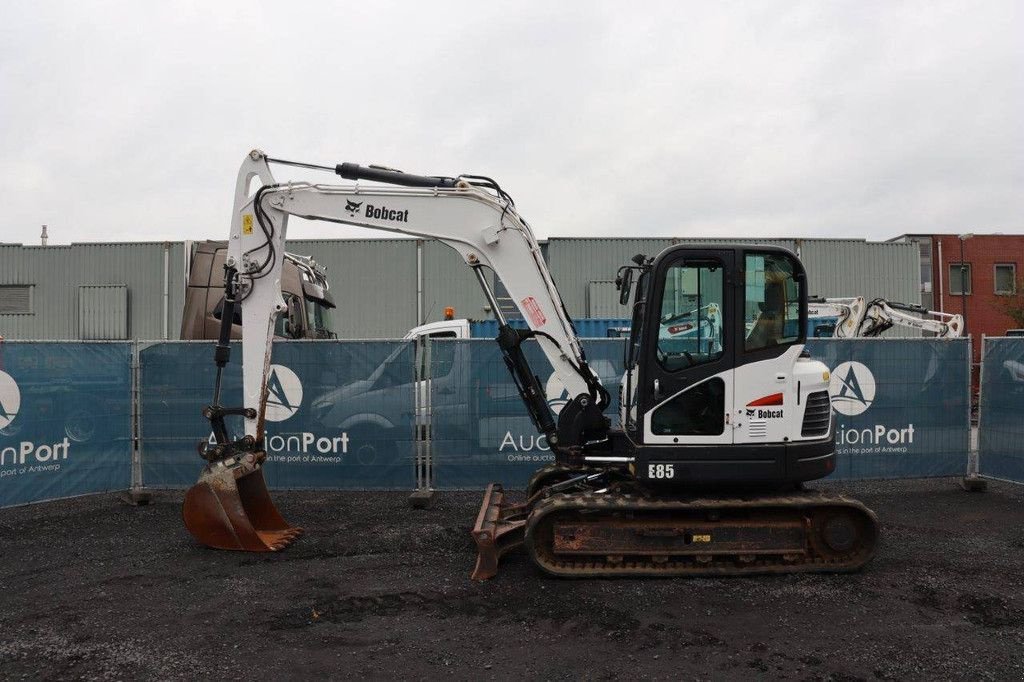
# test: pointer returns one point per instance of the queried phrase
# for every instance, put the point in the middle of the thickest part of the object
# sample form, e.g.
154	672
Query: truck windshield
319	317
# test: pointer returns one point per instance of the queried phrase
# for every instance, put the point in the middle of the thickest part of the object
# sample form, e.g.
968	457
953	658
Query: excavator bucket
499	528
230	508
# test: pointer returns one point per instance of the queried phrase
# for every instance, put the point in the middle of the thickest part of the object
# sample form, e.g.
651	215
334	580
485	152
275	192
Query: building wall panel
56	272
373	282
103	312
847	267
448	281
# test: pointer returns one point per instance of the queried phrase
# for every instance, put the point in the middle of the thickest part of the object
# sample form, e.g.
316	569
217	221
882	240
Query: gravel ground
94	589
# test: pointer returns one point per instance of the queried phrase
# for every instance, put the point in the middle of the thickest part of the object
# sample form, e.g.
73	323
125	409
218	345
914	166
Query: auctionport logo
852	388
10	399
284	393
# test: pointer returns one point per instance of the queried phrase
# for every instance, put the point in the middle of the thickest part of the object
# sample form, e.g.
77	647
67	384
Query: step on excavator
720	428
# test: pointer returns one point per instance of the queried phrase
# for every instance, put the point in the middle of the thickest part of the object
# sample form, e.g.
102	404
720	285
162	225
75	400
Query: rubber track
818	559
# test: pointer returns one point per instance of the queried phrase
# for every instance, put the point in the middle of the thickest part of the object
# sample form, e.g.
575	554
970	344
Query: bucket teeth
230	508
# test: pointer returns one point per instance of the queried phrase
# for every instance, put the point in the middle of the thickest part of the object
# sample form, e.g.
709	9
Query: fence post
423	496
973	482
136	494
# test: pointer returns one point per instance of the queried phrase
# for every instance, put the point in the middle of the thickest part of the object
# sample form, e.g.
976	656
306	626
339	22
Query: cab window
772	301
690	315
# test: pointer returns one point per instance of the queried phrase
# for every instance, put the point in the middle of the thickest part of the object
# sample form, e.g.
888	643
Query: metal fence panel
902	406
481	431
65	420
340	413
1001	429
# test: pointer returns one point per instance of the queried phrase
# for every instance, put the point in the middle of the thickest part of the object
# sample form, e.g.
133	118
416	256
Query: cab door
686	386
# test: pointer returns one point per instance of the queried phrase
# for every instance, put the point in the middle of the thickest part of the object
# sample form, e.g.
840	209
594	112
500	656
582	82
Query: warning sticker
246	223
534	312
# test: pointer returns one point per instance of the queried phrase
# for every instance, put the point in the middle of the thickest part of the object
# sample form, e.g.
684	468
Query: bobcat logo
352	207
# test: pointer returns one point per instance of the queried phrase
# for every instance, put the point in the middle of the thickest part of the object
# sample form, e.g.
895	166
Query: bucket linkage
230	506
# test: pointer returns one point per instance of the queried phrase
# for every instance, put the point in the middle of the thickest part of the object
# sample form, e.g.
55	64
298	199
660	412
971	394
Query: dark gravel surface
93	589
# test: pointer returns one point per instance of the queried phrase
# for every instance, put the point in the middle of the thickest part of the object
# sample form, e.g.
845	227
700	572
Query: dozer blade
230	508
499	528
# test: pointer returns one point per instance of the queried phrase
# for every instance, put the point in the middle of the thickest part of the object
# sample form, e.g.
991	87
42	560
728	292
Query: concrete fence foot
136	497
974	484
422	499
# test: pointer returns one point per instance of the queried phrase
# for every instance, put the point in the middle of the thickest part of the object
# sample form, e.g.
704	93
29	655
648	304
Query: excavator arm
469	213
474	218
882	314
857	318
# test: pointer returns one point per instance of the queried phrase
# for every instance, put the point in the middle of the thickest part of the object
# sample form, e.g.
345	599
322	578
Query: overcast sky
127	121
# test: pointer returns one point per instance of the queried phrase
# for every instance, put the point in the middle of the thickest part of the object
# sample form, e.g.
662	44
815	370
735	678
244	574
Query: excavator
855	318
706	475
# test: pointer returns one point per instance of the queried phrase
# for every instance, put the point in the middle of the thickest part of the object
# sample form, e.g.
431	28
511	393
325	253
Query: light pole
963	278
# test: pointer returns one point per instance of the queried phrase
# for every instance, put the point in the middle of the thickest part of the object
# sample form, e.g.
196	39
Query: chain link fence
1000	427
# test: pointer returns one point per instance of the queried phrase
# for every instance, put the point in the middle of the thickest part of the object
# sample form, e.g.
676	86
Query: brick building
971	276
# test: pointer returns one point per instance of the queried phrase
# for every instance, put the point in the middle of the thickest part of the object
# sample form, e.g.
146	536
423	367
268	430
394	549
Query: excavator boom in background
853	318
720	427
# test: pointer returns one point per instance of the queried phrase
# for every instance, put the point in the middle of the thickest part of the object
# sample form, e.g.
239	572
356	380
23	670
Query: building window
1006	278
959	278
16	299
925	250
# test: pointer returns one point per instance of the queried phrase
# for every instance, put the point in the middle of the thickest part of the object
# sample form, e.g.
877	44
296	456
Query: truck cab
303	286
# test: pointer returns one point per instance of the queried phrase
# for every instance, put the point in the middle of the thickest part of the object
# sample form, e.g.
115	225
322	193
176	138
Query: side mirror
624	283
294	327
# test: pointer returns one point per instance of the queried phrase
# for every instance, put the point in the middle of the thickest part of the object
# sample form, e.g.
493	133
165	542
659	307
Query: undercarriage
606	524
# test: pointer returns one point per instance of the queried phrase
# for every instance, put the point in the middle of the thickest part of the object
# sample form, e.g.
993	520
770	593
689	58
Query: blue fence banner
901	405
340	413
1000	426
65	420
343	414
481	431
901	408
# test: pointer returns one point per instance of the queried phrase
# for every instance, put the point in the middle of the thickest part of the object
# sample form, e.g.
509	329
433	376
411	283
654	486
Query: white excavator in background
838	317
705	476
853	318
